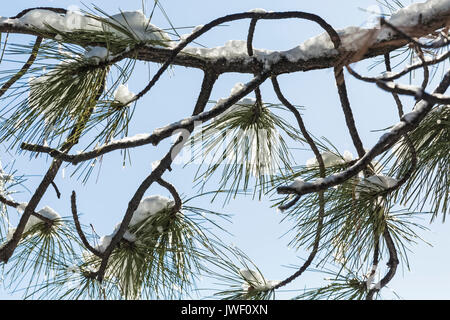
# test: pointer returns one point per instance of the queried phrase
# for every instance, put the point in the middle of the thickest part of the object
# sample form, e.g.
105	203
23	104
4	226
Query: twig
408	69
173	191
73	202
416	92
321	213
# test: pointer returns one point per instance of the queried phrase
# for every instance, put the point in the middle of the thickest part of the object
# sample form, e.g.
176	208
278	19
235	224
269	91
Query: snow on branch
318	52
414	91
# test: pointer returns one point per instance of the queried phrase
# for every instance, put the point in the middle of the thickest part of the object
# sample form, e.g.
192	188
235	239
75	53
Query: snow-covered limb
50	19
417	92
320	53
407	123
158	134
434	44
80	232
389	76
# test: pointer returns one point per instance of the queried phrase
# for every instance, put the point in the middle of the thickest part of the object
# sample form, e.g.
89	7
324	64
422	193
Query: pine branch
158	134
385	141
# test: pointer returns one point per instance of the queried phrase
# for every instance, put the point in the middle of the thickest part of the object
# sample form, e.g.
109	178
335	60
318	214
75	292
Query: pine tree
351	213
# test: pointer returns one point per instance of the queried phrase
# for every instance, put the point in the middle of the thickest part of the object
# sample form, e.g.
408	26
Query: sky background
255	225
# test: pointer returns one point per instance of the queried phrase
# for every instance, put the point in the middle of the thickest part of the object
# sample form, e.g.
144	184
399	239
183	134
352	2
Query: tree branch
386	140
158	134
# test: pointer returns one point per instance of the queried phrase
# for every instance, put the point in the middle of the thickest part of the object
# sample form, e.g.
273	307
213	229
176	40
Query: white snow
123	95
237	87
139	25
135	22
197	28
330	159
409	16
46	212
375	183
298	183
256	280
148	207
97	53
155	164
258	10
136	137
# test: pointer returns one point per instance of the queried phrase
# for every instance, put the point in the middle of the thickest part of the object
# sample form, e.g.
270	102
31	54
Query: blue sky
256	226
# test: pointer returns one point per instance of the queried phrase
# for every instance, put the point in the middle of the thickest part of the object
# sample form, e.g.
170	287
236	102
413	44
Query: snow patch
256	280
123	95
97	54
330	159
46	212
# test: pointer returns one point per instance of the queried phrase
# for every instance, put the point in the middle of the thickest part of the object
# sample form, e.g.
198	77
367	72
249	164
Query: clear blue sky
256	227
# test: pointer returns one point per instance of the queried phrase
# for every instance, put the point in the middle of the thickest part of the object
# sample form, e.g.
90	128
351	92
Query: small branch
319	159
209	79
398	102
411	39
80	232
426	71
173	192
58	194
408	69
251	31
416	92
392	264
345	103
